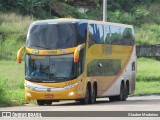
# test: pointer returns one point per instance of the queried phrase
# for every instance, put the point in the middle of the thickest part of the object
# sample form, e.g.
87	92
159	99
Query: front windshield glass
49	68
61	67
56	36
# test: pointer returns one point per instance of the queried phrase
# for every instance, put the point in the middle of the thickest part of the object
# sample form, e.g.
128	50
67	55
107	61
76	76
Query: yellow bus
78	59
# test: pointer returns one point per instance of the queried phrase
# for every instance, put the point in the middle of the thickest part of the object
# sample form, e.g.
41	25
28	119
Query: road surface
138	103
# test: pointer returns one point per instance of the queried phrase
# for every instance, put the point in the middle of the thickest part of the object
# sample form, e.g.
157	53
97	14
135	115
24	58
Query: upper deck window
56	36
109	34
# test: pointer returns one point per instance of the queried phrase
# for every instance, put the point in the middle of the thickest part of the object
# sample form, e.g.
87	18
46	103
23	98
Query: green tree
50	4
7	5
30	5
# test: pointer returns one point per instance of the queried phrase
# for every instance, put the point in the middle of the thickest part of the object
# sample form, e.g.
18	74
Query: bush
155	16
13	32
148	34
120	17
116	16
95	14
141	15
65	10
41	13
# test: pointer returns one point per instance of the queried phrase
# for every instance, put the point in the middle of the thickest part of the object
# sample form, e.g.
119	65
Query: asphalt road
140	103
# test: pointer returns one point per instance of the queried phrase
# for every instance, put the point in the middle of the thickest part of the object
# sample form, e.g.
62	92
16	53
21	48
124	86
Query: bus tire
122	96
127	89
48	102
86	99
93	95
112	98
41	102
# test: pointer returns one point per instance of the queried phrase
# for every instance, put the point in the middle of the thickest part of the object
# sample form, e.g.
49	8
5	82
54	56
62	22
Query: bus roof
61	20
73	20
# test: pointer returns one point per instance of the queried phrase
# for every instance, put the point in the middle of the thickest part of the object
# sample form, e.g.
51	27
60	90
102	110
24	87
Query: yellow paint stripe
50	52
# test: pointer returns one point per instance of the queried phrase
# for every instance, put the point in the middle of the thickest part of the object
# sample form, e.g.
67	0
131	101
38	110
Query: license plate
49	95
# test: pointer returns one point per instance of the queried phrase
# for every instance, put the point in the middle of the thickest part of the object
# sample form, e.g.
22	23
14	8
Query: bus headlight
28	94
71	93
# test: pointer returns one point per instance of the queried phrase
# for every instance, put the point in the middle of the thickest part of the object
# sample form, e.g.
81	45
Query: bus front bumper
69	94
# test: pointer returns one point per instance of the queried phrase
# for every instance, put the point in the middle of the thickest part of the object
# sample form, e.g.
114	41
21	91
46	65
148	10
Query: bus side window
91	35
133	66
81	63
107	34
96	34
82	33
116	37
128	38
122	36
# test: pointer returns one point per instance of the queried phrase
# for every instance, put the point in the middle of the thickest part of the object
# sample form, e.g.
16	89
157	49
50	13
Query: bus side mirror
77	52
19	54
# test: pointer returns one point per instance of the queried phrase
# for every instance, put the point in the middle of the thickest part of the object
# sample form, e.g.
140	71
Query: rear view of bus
76	59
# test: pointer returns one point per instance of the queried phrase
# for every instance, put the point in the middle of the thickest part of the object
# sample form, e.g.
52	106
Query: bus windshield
49	68
56	36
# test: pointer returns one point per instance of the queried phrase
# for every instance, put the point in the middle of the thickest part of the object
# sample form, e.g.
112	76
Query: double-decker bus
78	59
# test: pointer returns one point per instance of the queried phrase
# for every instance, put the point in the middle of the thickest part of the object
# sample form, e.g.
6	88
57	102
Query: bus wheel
112	98
93	95
48	102
40	102
127	89
86	99
122	96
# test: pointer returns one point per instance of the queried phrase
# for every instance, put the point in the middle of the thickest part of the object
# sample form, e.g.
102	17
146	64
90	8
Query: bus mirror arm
77	51
19	54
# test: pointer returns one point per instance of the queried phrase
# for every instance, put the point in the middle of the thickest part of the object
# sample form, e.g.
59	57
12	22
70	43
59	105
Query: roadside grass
10	46
147	88
14	23
148	77
11	83
148	70
3	98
